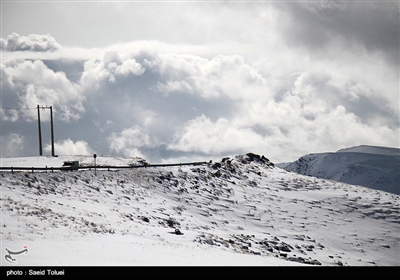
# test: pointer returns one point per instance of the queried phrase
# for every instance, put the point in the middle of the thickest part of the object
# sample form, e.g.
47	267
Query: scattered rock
172	222
315	262
255	157
309	247
217	174
339	263
216	165
225	159
283	247
178	232
302	260
95	188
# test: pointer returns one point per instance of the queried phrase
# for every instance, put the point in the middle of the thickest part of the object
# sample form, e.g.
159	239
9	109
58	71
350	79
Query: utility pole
52	131
40	132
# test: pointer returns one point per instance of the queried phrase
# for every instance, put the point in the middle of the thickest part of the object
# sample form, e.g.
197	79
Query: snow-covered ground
240	211
369	166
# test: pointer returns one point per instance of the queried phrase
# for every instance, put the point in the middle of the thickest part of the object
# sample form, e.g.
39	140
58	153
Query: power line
13	111
18	108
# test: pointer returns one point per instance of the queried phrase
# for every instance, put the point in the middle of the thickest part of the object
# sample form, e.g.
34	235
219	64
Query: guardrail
51	169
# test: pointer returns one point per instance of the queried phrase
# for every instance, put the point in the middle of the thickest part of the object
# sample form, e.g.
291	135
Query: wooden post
94	156
52	131
40	132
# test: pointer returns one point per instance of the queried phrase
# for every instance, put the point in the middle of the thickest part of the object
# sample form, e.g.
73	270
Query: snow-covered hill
369	166
239	211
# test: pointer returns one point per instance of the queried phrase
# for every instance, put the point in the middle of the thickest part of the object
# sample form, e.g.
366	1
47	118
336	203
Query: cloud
131	140
318	26
29	83
69	147
110	68
32	42
163	105
220	77
201	135
12	145
180	104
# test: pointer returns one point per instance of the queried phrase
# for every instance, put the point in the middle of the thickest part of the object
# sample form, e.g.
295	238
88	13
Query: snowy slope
369	166
240	211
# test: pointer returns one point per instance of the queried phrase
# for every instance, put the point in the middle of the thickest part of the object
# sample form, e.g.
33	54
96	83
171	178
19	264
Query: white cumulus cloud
69	147
32	83
32	42
12	145
131	140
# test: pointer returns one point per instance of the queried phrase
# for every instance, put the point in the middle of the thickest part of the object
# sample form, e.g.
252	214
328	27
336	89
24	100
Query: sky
176	81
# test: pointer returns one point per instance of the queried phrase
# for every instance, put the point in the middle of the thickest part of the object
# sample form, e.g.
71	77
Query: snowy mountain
239	211
369	166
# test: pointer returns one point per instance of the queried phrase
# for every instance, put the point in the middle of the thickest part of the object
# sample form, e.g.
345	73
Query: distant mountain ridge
370	166
371	150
